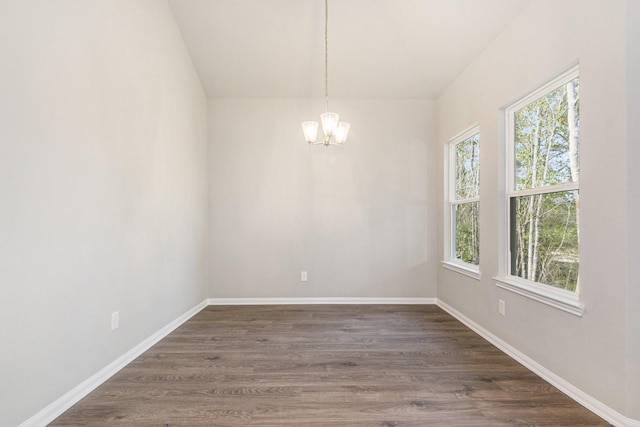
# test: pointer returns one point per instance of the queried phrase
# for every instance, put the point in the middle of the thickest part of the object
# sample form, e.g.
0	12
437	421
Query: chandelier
335	132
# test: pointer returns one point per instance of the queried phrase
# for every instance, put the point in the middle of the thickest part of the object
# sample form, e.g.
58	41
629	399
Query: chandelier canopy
335	131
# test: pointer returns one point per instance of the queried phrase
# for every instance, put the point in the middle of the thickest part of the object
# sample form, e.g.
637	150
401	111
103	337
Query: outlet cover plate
115	320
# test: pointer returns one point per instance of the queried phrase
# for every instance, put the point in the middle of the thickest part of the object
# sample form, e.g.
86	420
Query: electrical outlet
502	307
303	276
115	320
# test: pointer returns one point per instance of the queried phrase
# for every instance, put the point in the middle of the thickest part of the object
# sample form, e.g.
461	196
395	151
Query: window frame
450	261
555	297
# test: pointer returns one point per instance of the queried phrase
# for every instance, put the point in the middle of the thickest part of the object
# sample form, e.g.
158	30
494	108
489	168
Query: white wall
359	218
547	38
102	189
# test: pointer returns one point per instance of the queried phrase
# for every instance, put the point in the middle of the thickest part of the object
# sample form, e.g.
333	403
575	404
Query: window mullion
569	186
463	201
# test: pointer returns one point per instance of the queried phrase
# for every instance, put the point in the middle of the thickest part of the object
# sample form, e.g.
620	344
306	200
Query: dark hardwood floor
325	365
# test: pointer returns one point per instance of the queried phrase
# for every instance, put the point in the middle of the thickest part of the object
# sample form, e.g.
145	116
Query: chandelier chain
326	55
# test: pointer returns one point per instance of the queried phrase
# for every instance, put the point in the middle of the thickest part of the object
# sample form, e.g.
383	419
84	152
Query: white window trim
558	298
555	297
450	262
470	270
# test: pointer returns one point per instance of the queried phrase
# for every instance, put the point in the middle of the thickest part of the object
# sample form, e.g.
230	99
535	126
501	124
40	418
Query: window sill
467	270
557	298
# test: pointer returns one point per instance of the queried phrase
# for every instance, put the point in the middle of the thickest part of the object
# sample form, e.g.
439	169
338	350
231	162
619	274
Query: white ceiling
377	48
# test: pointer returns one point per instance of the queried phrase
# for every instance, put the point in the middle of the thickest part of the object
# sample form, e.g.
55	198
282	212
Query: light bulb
310	130
342	132
329	123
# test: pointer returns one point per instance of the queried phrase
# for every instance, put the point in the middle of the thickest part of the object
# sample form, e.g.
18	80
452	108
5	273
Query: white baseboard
72	397
594	405
331	300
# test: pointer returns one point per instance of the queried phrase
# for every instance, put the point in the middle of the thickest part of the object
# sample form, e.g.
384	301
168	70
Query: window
542	194
463	232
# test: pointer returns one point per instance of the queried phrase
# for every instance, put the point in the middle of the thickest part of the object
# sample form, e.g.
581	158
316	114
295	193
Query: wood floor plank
321	365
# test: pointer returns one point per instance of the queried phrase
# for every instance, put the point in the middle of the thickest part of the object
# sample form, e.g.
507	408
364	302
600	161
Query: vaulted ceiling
377	48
